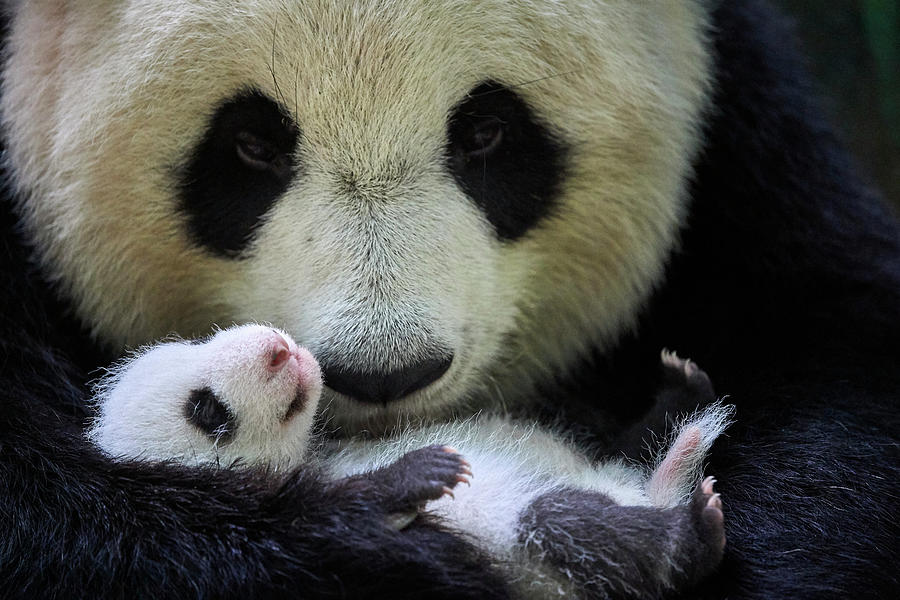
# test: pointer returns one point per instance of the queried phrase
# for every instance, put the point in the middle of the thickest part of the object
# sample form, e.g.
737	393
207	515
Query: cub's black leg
684	389
625	552
404	486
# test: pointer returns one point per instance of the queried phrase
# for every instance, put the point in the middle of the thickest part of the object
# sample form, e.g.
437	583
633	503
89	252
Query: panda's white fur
140	416
106	99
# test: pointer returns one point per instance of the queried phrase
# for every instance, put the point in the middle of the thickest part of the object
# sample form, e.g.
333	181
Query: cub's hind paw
699	527
709	520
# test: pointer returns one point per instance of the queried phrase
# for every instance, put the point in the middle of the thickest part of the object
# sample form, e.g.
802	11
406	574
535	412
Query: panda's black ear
205	411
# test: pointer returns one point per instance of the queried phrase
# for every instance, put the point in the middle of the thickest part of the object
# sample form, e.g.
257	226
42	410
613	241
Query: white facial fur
257	372
104	100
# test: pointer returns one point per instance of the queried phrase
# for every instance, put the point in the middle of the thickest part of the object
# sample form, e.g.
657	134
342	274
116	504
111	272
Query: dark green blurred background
853	48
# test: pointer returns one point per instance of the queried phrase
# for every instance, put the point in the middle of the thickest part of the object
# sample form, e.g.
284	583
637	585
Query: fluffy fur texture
519	466
703	205
373	256
265	388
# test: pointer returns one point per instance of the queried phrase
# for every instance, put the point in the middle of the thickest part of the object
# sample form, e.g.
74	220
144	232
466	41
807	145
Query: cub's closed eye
205	411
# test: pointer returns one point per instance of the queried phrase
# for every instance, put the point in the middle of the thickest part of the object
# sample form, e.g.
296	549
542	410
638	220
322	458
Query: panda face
451	202
246	394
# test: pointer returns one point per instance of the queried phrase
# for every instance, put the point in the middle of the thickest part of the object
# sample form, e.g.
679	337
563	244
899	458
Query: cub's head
247	394
445	202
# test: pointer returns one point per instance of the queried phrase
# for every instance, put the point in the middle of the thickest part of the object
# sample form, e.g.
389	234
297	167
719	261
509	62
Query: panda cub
560	524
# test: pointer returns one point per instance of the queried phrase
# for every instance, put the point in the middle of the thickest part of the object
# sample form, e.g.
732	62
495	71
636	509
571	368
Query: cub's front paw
417	477
428	473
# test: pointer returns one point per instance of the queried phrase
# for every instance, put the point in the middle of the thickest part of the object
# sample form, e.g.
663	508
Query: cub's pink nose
279	355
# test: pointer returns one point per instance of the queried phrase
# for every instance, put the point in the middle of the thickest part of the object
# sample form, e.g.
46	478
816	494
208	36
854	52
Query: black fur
504	158
413	479
786	289
611	551
679	393
619	552
222	195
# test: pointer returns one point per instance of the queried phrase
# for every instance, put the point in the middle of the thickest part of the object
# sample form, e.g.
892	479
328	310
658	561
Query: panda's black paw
709	518
431	472
685	386
703	538
420	476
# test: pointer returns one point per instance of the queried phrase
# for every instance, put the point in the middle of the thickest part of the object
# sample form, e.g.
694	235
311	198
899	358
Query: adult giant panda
456	206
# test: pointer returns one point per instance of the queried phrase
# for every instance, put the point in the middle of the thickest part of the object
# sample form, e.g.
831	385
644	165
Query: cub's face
245	396
445	202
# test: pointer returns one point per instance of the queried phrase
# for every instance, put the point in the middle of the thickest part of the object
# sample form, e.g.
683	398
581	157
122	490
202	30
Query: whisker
271	65
296	92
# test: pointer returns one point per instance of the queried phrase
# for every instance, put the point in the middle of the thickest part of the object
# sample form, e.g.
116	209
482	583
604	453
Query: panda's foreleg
606	550
403	487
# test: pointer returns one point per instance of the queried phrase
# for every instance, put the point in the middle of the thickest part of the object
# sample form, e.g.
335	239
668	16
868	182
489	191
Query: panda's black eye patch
205	411
241	166
504	158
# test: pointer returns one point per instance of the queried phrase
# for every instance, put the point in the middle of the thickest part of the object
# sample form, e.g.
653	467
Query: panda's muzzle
382	388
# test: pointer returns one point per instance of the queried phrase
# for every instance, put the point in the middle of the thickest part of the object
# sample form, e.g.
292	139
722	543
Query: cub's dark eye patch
504	158
205	411
243	164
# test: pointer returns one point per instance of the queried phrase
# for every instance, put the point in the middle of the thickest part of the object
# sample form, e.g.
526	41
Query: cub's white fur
141	416
104	100
141	401
516	462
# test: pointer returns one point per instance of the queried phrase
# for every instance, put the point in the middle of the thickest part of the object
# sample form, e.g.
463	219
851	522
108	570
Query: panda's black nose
382	388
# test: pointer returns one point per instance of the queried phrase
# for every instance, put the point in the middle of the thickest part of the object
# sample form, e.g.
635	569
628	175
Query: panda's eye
205	411
504	158
239	169
253	150
484	136
262	155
